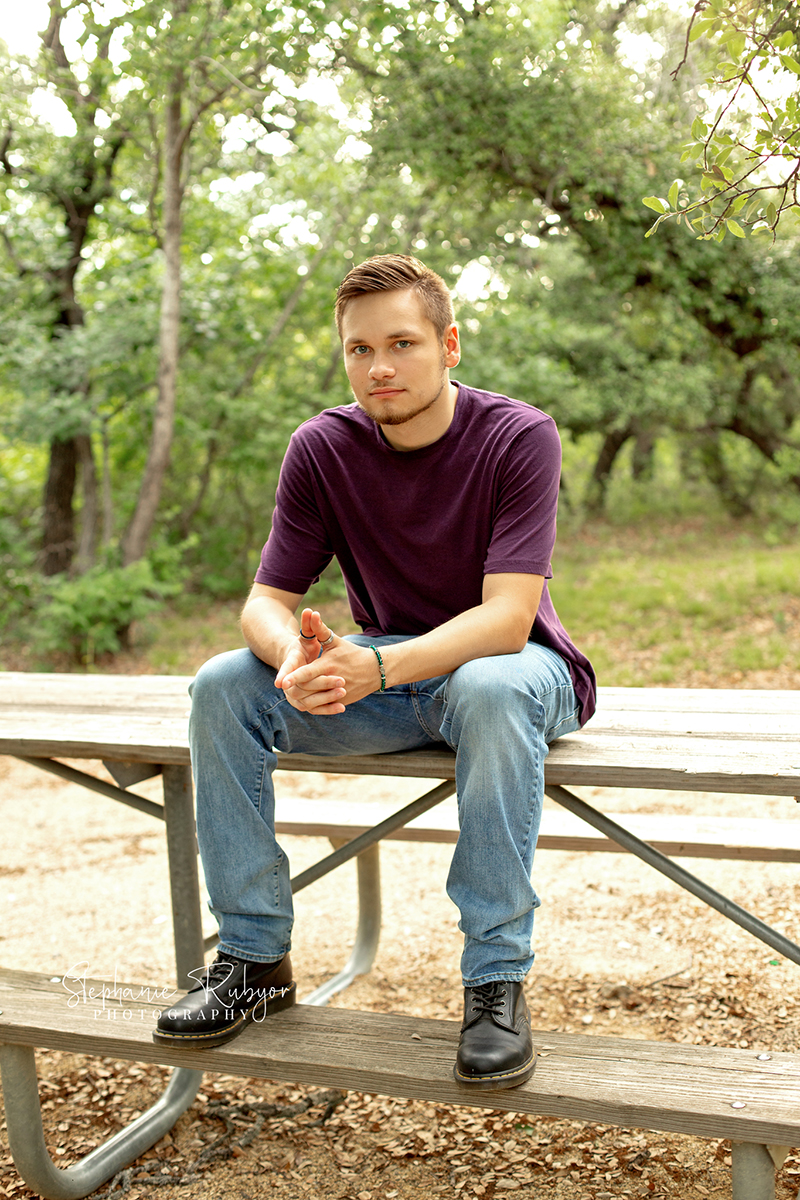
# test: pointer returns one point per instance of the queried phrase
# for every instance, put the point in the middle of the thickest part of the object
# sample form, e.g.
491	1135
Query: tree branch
698	8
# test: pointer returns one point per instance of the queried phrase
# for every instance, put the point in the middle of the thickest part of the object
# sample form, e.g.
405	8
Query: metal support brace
654	858
84	779
753	1168
371	836
26	1136
368	932
366	848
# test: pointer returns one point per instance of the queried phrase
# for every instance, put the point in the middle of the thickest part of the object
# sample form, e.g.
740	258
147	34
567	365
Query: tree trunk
642	463
612	444
87	545
136	537
737	503
58	541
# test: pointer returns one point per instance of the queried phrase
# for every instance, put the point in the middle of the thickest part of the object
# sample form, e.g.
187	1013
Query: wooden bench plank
660	1086
681	836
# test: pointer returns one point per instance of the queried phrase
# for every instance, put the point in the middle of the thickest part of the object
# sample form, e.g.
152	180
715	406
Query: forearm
497	626
270	629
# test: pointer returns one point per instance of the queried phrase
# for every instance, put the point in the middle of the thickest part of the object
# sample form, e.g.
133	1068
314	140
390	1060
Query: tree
531	112
163	81
73	182
204	59
748	152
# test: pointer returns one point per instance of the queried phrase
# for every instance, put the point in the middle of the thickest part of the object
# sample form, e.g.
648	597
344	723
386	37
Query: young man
439	501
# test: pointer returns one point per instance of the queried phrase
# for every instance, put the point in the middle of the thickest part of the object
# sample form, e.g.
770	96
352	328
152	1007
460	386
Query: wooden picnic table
730	741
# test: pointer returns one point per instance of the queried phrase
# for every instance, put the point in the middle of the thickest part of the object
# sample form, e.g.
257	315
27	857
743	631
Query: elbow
517	637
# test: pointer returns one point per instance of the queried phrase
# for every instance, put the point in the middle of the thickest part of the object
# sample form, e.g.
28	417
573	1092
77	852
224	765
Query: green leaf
753	209
699	130
657	204
771	214
655	226
740	202
791	64
785	40
672	195
736	44
699	28
735	228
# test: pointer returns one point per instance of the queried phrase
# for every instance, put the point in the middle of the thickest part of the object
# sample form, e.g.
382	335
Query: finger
317	703
307	679
327	710
307	630
323	633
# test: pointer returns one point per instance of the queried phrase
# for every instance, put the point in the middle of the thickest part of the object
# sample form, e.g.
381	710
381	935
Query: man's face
395	361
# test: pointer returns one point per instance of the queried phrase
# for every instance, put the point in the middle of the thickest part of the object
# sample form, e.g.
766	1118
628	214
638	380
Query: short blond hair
398	273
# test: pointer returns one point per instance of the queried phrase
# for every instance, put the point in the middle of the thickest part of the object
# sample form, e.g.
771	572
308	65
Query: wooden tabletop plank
663	738
663	1086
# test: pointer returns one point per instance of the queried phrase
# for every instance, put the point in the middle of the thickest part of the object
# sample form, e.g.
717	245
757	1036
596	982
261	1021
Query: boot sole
259	1012
503	1079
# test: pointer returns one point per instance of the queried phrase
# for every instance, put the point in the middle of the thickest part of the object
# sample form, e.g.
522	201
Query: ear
452	346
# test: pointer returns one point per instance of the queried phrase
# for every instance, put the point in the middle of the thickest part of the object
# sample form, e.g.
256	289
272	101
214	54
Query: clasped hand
325	683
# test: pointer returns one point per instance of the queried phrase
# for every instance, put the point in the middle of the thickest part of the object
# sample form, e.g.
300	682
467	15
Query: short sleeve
298	548
526	504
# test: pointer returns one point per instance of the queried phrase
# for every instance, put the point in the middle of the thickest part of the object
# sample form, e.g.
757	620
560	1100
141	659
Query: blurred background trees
183	185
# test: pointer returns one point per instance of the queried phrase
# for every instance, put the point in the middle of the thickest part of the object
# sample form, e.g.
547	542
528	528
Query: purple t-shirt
416	531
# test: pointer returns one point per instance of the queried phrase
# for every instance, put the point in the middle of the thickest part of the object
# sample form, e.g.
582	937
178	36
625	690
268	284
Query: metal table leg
368	932
754	1168
18	1065
26	1137
187	921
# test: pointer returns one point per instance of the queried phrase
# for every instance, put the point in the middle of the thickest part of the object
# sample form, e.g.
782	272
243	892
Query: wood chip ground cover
620	951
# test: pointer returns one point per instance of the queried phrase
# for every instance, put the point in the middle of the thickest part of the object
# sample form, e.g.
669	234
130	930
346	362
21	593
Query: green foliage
748	162
91	615
508	144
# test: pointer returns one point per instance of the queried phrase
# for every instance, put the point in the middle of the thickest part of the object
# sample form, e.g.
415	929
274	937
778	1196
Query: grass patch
697	604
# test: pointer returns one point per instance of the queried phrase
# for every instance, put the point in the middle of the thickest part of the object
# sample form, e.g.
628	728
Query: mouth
386	392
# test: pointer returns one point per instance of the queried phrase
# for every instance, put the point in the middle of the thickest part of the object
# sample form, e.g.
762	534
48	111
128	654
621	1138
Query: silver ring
328	640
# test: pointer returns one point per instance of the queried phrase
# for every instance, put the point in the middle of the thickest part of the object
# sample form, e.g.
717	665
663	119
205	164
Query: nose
381	367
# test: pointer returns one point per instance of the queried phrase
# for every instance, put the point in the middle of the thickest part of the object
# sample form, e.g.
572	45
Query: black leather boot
496	1048
227	996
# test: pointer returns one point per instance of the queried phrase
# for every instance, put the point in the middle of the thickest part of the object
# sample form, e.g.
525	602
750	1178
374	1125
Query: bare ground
620	951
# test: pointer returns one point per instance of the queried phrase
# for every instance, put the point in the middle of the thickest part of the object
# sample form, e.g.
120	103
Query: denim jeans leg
239	719
500	714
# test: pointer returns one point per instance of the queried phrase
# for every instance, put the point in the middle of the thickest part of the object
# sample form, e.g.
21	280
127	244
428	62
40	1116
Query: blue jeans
497	713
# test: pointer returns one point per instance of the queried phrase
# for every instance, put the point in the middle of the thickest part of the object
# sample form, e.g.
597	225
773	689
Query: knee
486	683
226	679
489	691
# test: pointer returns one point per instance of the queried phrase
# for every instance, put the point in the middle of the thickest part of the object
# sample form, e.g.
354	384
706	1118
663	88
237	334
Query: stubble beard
402	418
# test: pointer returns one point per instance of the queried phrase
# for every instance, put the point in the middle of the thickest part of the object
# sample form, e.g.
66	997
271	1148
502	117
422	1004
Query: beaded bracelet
381	667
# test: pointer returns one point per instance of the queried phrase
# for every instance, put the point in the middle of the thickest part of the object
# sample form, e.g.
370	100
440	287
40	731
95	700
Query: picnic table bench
742	742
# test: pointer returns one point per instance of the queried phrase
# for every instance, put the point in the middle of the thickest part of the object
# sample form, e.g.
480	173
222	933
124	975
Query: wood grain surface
651	1085
664	738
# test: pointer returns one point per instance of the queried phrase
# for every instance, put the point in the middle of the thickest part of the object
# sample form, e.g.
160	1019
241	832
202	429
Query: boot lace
488	1000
